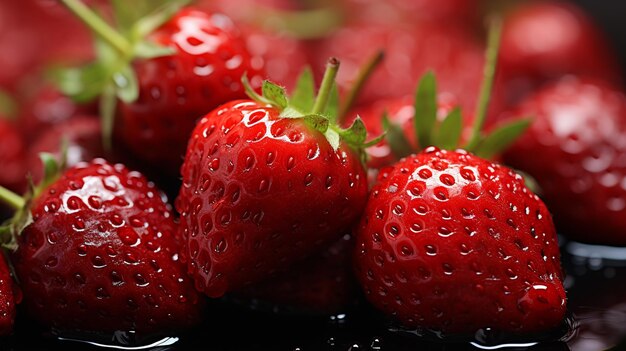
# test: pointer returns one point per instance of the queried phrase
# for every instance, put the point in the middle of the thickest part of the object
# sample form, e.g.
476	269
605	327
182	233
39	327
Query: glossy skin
579	131
84	143
101	255
546	40
177	90
12	154
324	284
7	299
454	243
260	193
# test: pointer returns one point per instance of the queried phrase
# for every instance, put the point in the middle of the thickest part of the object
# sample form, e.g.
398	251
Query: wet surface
596	283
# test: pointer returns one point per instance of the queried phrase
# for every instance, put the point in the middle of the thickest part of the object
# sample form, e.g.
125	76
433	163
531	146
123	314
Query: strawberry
578	160
95	251
172	68
12	153
453	243
8	299
322	284
259	179
546	40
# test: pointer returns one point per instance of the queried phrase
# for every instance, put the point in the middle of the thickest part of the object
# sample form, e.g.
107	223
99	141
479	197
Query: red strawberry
323	284
454	243
8	299
100	255
578	158
264	186
548	39
12	153
168	78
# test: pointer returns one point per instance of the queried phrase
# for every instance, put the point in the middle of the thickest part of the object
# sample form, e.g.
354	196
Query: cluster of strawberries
362	185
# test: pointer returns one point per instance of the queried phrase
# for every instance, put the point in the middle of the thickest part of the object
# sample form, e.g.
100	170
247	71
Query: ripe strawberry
322	284
546	40
259	179
454	243
8	299
95	251
12	153
171	74
577	143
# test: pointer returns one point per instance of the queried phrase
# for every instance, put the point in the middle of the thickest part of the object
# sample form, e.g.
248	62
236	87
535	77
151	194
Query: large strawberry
453	243
267	182
95	250
168	70
575	150
8	299
548	39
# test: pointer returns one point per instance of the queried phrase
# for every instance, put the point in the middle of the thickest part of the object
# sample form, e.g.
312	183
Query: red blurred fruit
453	243
576	150
546	40
12	155
8	299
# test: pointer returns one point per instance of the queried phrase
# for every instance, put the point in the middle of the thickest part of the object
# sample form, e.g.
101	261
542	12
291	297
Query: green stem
12	199
327	85
98	25
491	58
364	74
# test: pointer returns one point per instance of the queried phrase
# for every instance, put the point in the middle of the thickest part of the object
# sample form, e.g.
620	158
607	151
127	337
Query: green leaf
303	96
396	139
161	12
425	109
275	94
333	138
106	54
450	130
501	138
317	122
82	84
147	50
356	134
333	104
126	86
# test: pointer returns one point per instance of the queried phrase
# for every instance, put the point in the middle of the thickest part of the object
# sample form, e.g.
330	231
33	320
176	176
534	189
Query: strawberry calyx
319	112
111	75
13	227
447	133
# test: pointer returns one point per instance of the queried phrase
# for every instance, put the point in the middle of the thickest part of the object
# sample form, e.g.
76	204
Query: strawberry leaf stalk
268	182
95	251
448	133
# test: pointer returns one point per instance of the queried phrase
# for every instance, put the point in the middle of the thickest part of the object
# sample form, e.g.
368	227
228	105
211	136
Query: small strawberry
266	183
168	69
575	151
548	39
95	251
322	284
453	243
8	299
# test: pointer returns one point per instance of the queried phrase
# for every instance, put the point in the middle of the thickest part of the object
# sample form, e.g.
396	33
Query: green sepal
12	228
398	143
303	96
425	109
162	11
450	129
50	168
148	50
356	134
82	84
275	94
333	138
319	123
501	138
108	104
375	140
126	85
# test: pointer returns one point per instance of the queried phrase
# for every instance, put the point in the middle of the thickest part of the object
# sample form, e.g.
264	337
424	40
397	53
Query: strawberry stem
364	74
98	25
327	85
11	199
491	58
